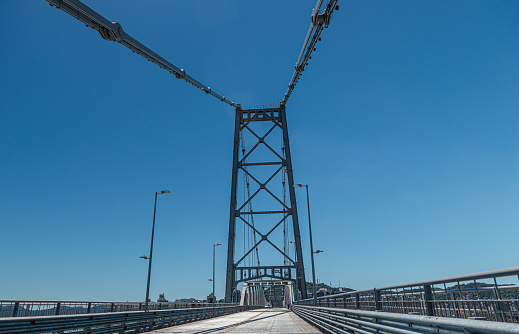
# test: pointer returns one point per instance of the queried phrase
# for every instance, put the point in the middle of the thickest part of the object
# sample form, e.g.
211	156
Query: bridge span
263	320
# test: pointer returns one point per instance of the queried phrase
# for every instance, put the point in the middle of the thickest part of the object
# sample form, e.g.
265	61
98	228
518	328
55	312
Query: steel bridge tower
241	213
237	270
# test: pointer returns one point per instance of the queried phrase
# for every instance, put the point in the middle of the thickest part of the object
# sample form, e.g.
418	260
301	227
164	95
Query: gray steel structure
235	273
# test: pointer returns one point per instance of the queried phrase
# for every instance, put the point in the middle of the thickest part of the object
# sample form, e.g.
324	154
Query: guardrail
31	308
116	322
466	296
333	320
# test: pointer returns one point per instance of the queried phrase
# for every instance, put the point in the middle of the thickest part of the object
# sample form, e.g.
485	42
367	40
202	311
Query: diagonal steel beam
272	229
250	198
250	250
250	151
264	237
252	227
279	250
250	175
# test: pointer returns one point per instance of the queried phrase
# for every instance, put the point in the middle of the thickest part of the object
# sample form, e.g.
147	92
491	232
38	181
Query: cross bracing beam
112	31
317	24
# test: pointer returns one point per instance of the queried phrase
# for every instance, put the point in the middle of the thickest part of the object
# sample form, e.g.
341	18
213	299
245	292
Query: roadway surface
277	320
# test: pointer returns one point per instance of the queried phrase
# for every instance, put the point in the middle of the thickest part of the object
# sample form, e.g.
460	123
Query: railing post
357	301
15	308
428	300
378	299
499	304
112	307
58	306
89	307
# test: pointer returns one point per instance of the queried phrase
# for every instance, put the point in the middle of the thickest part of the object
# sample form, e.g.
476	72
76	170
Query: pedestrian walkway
277	320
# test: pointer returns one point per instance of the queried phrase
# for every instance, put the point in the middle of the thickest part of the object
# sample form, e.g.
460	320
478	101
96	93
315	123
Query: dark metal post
151	253
378	299
58	307
300	269
311	244
214	246
229	283
428	299
151	247
15	309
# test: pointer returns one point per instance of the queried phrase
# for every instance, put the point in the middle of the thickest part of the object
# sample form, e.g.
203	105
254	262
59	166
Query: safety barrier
34	308
116	322
478	295
334	320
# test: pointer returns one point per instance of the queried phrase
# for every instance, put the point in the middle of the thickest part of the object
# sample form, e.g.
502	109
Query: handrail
459	296
21	308
115	322
347	321
460	278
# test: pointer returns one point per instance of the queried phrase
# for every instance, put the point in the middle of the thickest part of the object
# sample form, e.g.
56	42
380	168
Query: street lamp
151	247
311	244
214	246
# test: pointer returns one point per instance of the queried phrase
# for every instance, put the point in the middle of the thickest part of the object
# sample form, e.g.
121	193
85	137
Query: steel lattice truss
273	120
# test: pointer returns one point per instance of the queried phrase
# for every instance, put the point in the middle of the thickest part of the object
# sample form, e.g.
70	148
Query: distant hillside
331	289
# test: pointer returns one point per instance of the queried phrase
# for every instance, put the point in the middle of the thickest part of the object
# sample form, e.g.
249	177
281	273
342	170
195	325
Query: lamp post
151	247
311	243
214	246
315	299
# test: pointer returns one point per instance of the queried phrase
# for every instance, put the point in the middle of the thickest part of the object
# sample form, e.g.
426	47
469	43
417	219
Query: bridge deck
276	320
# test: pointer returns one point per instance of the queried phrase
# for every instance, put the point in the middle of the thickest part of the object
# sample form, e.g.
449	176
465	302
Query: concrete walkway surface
277	320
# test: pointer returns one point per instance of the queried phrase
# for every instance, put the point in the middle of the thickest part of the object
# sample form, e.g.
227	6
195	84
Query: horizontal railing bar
461	278
434	323
103	302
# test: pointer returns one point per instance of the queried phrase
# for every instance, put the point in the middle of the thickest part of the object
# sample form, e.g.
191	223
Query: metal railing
491	295
33	308
333	320
116	322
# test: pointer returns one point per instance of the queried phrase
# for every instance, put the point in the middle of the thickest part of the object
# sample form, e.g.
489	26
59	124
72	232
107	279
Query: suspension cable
317	23
112	31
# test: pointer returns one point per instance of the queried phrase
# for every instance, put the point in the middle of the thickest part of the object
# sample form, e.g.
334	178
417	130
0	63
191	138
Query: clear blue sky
405	125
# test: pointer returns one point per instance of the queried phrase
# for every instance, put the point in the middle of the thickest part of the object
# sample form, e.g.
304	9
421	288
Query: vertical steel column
15	309
300	270
378	300
229	282
428	299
